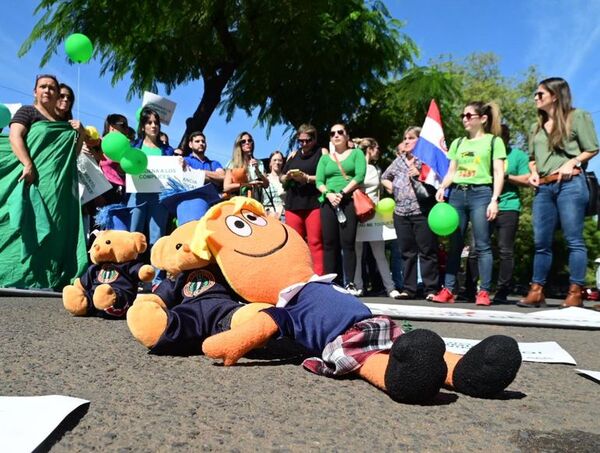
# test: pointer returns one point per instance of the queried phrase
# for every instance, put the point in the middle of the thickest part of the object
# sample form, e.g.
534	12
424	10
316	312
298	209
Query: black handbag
593	203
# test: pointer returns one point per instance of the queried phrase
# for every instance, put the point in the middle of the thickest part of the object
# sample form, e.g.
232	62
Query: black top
299	195
27	115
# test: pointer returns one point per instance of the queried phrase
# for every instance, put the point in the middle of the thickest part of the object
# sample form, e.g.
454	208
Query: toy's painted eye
253	218
107	242
178	246
238	226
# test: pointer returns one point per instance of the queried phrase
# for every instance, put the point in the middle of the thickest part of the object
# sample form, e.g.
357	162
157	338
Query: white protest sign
159	170
377	229
572	317
543	351
163	106
13	108
26	421
92	182
593	374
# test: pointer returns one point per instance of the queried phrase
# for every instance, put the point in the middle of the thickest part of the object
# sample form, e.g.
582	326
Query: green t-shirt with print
516	164
582	137
474	158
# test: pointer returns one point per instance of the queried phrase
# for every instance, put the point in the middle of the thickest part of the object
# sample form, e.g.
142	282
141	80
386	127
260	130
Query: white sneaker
394	294
351	288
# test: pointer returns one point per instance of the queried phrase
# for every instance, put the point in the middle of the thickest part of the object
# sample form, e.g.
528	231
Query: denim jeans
560	202
471	204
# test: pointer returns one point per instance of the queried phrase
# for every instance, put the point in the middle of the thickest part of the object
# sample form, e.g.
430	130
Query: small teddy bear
110	284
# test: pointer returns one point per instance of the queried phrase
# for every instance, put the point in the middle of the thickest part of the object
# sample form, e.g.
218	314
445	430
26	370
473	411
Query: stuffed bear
193	303
266	261
110	284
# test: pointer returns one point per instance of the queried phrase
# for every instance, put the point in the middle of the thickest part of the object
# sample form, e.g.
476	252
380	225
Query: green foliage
314	60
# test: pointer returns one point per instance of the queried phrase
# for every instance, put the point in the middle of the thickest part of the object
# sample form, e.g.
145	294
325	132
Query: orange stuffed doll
266	261
191	304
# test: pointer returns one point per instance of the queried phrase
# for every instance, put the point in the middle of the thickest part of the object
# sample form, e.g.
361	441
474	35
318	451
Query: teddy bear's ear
139	241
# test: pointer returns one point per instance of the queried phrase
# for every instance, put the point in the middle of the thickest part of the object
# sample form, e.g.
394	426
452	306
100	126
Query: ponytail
492	111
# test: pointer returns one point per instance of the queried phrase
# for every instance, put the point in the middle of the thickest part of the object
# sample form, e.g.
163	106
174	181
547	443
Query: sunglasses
468	116
538	94
341	132
246	141
305	140
66	96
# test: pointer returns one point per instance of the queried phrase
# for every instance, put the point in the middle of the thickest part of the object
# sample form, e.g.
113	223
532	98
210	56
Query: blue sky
561	37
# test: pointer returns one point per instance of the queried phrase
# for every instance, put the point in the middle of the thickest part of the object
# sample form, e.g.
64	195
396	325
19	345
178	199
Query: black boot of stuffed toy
488	367
416	370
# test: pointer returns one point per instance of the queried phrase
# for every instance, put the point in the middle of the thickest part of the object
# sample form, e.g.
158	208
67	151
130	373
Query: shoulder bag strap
340	166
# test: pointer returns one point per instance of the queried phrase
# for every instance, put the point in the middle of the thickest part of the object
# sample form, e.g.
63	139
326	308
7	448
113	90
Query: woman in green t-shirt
561	141
475	178
339	174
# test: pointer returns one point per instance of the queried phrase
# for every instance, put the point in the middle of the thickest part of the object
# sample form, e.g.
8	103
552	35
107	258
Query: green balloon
385	206
79	48
4	116
134	162
115	145
443	219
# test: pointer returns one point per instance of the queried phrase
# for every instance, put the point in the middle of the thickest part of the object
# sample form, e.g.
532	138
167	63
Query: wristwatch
577	162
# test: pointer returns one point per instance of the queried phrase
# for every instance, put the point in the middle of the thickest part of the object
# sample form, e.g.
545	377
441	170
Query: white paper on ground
593	374
569	317
26	421
542	351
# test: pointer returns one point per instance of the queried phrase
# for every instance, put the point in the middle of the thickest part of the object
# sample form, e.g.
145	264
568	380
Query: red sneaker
444	296
483	298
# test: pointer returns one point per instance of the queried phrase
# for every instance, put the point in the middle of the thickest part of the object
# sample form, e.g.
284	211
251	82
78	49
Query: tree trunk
214	85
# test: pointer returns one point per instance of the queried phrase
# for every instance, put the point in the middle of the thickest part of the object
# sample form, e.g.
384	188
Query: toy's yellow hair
199	244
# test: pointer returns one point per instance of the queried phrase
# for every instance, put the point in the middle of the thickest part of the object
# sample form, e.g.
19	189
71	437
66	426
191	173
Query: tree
314	60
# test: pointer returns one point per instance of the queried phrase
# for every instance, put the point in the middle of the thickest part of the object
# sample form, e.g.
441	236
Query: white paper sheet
26	421
593	374
568	318
543	351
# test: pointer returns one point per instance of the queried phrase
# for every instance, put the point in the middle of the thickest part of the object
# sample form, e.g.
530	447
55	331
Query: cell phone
295	171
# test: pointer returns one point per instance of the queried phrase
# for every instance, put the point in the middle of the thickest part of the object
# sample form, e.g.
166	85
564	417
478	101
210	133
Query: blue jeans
152	217
562	202
471	204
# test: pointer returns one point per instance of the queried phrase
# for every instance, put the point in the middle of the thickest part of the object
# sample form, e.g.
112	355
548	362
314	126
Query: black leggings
337	236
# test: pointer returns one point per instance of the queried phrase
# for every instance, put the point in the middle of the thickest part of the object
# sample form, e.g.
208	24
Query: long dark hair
145	116
562	113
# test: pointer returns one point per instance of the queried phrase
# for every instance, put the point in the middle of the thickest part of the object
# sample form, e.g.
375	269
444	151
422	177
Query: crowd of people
311	190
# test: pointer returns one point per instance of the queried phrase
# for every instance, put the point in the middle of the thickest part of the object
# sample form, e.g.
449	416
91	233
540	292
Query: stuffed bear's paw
488	367
416	370
223	346
146	273
147	321
74	300
104	297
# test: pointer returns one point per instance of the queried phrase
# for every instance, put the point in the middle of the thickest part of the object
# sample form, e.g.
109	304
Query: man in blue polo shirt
198	160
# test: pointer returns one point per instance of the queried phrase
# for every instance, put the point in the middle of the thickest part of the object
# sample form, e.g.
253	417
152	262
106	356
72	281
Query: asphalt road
141	402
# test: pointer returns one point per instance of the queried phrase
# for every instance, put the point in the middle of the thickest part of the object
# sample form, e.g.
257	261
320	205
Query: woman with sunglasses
49	243
417	244
338	175
302	210
475	178
64	111
561	142
244	175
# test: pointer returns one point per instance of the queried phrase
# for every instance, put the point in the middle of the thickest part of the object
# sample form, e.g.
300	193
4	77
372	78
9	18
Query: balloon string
78	98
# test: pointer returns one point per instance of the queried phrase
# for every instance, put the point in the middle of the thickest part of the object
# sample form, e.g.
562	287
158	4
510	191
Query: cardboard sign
377	229
92	182
163	106
159	170
542	351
